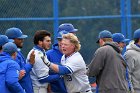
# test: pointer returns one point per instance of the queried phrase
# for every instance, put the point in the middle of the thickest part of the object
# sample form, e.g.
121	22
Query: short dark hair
39	35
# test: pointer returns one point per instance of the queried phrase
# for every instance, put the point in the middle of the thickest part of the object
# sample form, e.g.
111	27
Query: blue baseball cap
9	48
104	34
15	33
67	27
118	37
61	33
4	39
137	34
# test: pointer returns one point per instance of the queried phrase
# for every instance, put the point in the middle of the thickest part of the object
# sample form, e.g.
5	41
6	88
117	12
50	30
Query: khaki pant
40	89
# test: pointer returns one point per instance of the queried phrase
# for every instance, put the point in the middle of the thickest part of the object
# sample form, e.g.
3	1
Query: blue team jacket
54	56
9	75
25	82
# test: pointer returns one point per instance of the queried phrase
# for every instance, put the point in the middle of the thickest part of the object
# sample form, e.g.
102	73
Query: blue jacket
54	56
9	72
25	82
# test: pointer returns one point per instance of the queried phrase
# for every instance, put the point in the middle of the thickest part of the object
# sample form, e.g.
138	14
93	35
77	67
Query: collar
70	55
38	48
18	49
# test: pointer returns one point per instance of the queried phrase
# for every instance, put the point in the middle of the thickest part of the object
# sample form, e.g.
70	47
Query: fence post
123	17
55	14
129	26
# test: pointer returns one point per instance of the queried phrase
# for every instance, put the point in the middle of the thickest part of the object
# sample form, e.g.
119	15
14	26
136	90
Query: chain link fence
88	16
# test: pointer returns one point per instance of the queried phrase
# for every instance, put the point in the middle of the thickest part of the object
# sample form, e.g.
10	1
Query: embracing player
73	66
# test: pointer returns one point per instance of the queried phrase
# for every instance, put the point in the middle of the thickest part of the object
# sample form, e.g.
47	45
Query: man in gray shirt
108	66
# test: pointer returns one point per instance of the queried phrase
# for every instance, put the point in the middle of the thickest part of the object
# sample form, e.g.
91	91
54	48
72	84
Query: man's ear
101	42
40	43
14	55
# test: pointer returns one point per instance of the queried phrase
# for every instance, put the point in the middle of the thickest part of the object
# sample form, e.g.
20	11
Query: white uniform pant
40	89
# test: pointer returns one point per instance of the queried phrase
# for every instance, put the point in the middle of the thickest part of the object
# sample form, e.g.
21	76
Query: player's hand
21	74
32	58
45	62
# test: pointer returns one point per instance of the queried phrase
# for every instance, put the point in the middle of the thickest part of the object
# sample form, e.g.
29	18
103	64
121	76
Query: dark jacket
109	68
9	73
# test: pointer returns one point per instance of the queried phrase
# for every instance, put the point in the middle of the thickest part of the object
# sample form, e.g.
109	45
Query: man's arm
28	66
30	62
96	64
12	79
49	78
62	70
130	67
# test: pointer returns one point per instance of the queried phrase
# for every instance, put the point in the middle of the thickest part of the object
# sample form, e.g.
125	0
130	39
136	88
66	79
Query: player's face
67	47
46	43
59	44
19	42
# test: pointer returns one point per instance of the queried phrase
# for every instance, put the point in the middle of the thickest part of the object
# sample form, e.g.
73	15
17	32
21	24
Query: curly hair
73	39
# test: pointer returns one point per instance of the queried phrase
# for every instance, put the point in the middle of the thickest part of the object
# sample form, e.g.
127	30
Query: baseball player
73	66
25	68
40	73
54	55
9	70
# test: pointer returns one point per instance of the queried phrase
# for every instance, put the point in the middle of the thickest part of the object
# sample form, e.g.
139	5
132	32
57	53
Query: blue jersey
25	82
54	56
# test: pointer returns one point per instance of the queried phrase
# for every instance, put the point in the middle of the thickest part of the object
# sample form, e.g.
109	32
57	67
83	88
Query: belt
39	87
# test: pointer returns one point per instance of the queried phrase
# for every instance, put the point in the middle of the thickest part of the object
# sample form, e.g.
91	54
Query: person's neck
70	54
39	47
0	50
138	44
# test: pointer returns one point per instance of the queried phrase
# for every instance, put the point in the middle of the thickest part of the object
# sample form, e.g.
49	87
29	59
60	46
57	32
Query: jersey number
69	78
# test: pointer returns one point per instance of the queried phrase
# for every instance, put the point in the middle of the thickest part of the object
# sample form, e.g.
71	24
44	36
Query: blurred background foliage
88	28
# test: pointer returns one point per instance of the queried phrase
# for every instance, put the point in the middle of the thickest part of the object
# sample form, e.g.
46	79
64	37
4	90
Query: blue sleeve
12	79
28	67
49	79
63	70
23	65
